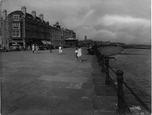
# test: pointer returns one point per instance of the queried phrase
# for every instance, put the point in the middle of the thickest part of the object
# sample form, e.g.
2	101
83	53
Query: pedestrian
79	54
76	53
51	48
33	48
20	47
60	49
37	48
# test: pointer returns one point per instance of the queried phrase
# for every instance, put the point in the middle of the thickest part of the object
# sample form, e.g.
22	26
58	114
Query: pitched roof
16	12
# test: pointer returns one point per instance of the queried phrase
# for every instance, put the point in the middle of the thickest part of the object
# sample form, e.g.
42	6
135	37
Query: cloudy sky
127	21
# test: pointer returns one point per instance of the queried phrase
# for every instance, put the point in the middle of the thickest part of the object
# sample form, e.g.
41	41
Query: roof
21	13
16	12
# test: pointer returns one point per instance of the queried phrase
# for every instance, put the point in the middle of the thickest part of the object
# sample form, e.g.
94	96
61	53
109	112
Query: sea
136	65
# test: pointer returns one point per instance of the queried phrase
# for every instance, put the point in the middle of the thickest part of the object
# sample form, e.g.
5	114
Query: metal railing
122	105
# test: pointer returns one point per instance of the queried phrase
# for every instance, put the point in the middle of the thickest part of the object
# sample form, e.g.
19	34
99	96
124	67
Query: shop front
72	42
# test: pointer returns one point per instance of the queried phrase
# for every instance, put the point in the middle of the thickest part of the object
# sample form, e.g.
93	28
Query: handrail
109	77
142	103
112	69
117	90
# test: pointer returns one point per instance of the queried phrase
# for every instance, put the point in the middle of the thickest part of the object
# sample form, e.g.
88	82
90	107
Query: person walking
36	48
79	54
76	53
33	48
60	49
51	48
21	48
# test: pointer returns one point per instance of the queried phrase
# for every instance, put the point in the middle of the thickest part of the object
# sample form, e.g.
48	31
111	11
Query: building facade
27	29
24	29
70	37
5	31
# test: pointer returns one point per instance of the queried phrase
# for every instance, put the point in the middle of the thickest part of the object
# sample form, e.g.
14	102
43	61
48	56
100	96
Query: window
16	17
16	25
16	33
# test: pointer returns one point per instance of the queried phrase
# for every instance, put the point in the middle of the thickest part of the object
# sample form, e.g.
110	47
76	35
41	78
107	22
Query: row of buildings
25	29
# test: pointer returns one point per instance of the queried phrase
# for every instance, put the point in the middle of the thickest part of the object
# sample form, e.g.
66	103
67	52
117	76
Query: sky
127	21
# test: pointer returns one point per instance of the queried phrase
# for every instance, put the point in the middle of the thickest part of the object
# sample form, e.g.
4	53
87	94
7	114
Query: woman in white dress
79	54
60	49
33	48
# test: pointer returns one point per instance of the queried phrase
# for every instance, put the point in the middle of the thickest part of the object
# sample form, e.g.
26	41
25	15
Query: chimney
34	14
47	22
23	10
41	17
4	14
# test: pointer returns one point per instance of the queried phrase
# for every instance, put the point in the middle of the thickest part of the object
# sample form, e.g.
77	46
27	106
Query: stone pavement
52	84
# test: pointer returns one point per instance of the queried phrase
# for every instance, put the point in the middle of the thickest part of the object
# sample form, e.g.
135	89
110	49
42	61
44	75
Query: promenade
51	84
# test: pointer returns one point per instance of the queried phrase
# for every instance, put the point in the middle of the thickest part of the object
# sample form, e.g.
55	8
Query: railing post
98	55
102	63
107	80
120	94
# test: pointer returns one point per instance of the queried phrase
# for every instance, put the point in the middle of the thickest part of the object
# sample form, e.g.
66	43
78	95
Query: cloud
127	28
118	28
108	20
114	20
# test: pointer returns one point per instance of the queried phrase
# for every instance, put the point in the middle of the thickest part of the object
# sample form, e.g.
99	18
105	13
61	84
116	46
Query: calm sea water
137	74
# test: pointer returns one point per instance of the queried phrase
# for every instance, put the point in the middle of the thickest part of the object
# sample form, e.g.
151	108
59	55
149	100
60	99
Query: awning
49	42
71	39
44	42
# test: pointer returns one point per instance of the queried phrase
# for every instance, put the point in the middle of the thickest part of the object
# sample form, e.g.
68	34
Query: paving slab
98	80
99	112
36	102
104	90
77	106
70	93
23	111
62	78
10	97
8	109
9	86
34	90
105	103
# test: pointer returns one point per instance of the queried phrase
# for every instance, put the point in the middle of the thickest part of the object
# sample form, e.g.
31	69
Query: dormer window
16	17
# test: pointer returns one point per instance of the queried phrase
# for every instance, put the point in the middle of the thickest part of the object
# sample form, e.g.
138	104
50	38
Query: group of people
78	51
90	50
35	48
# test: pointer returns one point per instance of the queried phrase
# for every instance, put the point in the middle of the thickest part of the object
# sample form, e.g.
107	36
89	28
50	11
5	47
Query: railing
122	105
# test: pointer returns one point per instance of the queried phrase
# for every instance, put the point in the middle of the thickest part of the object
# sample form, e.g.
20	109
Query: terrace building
70	38
24	29
4	31
20	27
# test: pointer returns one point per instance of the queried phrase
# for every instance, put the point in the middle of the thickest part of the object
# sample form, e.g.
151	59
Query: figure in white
76	53
79	53
33	48
60	49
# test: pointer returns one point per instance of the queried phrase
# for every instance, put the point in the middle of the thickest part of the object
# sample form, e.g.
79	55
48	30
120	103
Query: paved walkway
52	84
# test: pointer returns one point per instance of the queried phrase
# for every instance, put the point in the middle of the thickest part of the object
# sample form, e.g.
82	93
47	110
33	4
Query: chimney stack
34	14
4	14
23	10
41	17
